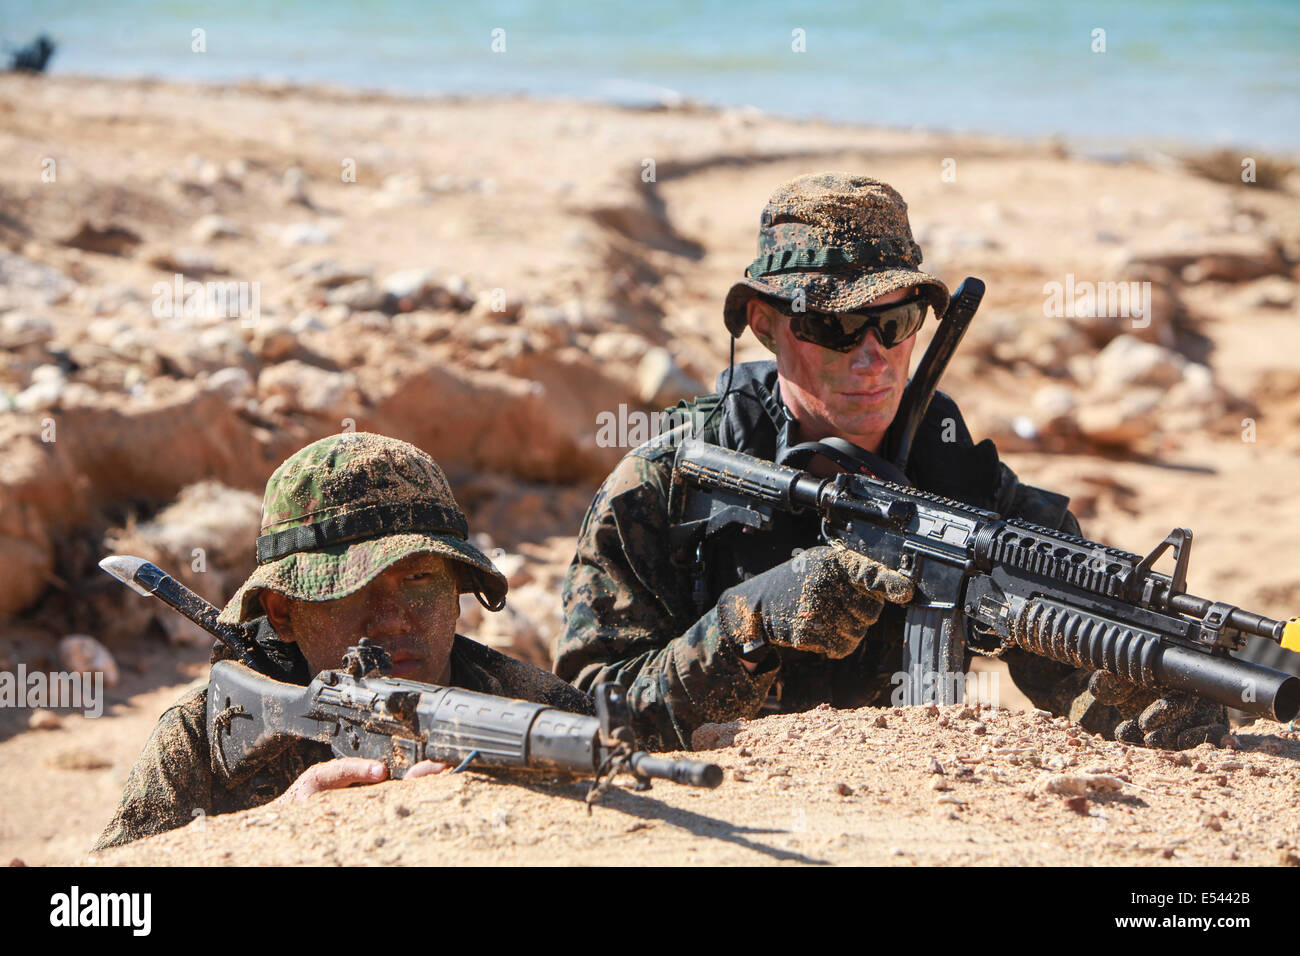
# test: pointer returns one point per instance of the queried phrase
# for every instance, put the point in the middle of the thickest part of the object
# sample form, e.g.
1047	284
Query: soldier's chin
859	423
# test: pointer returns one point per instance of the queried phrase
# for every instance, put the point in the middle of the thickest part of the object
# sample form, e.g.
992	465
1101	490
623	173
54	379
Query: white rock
1024	427
1197	389
18	329
307	322
403	184
1273	292
304	234
660	381
327	273
334	315
1128	419
188	262
233	382
308	388
81	653
25	283
514	567
40	395
79	394
1053	402
409	283
41	719
209	173
132	343
360	296
1129	361
617	347
103	331
209	228
223	346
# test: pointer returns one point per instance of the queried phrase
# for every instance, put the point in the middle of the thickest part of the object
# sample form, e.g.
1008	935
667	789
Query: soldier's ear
276	606
760	320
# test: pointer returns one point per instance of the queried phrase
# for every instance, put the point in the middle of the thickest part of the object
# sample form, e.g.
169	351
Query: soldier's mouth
406	662
878	392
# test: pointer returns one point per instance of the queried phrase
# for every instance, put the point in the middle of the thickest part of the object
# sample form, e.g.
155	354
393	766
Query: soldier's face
850	394
410	610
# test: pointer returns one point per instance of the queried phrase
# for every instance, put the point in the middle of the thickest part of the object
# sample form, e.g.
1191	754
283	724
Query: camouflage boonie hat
843	239
343	509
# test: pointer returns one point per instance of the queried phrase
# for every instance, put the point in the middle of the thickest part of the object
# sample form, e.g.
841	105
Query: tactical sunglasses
893	324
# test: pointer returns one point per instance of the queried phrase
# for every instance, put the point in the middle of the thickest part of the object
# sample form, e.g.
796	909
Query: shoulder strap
697	412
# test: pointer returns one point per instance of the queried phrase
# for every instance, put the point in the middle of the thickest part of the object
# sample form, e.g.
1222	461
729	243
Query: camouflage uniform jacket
640	610
173	779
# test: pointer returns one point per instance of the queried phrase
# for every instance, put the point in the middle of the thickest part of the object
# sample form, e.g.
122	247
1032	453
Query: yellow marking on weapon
1291	635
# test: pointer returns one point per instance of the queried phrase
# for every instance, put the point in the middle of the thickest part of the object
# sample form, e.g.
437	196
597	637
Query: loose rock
83	654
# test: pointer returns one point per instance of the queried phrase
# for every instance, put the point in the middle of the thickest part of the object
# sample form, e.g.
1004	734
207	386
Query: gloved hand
821	601
1169	721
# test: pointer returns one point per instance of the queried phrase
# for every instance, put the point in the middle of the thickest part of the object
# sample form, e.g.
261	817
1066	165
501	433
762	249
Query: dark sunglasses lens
845	331
822	329
900	323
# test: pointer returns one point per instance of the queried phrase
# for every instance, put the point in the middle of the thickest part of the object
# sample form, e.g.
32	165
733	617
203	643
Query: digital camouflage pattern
173	781
376	500
629	600
841	239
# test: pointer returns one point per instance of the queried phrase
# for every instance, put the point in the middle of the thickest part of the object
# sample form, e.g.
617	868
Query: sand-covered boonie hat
340	511
842	239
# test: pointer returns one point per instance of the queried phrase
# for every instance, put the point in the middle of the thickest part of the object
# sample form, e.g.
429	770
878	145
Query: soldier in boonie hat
345	508
719	620
833	242
361	538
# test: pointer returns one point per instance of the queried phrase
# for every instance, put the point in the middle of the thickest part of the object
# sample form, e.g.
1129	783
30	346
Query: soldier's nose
387	618
869	356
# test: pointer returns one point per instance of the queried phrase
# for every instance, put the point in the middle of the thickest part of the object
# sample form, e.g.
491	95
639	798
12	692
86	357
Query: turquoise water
1190	71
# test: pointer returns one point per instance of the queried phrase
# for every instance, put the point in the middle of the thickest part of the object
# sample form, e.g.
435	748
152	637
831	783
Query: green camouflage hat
842	239
341	510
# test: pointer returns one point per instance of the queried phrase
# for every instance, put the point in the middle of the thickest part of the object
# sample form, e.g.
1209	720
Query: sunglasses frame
871	313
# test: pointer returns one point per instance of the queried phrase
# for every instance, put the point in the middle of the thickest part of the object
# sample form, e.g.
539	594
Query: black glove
821	601
1169	720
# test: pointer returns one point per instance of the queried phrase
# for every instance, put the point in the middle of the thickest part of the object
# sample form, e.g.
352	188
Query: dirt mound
872	786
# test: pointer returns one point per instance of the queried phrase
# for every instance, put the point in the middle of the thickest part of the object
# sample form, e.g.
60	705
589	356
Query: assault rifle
991	581
360	711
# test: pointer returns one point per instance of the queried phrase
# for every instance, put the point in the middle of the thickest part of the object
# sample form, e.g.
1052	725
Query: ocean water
1189	71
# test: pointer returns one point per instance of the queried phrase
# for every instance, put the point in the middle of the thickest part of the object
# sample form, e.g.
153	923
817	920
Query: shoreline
1116	149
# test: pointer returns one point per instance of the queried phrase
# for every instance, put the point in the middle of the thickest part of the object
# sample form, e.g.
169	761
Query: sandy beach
495	278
